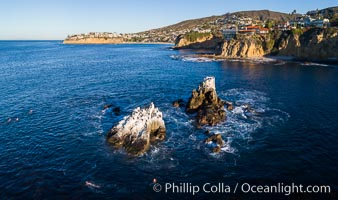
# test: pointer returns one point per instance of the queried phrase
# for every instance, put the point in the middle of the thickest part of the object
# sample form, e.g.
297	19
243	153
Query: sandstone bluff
315	44
116	40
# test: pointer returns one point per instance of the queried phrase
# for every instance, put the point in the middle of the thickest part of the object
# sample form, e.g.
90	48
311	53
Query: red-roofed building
247	32
263	31
254	29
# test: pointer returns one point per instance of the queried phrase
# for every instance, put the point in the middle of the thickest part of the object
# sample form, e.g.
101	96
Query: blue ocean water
52	125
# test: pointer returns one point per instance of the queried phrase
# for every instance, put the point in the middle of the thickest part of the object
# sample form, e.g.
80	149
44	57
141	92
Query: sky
55	19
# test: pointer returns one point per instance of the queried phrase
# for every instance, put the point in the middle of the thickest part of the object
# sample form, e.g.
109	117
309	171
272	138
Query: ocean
53	125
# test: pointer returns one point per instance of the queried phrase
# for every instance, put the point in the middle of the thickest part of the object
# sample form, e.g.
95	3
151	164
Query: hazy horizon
54	20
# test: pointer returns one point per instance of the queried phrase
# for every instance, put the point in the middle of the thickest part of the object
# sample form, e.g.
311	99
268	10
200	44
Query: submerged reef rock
107	106
204	101
117	110
229	105
178	103
137	131
217	140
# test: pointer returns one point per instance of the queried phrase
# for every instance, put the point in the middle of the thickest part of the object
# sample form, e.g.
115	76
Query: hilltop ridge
208	24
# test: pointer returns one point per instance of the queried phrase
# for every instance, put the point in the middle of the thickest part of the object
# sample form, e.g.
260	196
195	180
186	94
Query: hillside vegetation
169	33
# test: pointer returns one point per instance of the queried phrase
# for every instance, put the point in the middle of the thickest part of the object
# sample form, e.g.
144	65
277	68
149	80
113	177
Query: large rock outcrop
316	44
204	101
242	48
202	41
136	132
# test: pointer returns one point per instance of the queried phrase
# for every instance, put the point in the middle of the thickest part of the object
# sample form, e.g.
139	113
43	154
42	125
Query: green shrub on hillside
269	45
297	31
193	36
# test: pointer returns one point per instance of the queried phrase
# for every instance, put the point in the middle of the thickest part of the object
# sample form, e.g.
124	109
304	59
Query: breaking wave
251	113
192	58
199	58
314	64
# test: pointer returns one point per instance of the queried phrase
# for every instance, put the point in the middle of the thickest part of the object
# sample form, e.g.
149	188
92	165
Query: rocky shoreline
263	59
314	45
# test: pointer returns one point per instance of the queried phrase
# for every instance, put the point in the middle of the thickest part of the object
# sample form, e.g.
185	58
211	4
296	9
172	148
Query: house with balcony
321	23
255	30
283	26
229	33
247	32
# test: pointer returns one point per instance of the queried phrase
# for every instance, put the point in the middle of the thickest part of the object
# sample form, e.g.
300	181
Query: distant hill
265	15
169	33
330	13
255	14
188	24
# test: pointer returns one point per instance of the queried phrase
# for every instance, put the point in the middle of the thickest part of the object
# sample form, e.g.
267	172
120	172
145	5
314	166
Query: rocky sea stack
136	132
205	102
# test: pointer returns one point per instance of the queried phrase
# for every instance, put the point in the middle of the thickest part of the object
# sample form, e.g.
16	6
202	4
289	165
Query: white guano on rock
208	84
137	131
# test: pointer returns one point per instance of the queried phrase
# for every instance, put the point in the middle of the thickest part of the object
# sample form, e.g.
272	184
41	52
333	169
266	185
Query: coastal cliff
314	44
194	40
244	47
116	40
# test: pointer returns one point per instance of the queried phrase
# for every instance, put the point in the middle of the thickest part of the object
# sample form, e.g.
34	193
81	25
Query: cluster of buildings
231	32
241	21
152	36
93	35
307	21
233	25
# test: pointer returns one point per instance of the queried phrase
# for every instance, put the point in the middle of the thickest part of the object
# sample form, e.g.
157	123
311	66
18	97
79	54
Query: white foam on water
239	111
154	150
92	184
158	157
192	58
95	119
228	149
258	60
236	131
198	58
280	63
242	122
193	137
313	64
175	57
97	123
